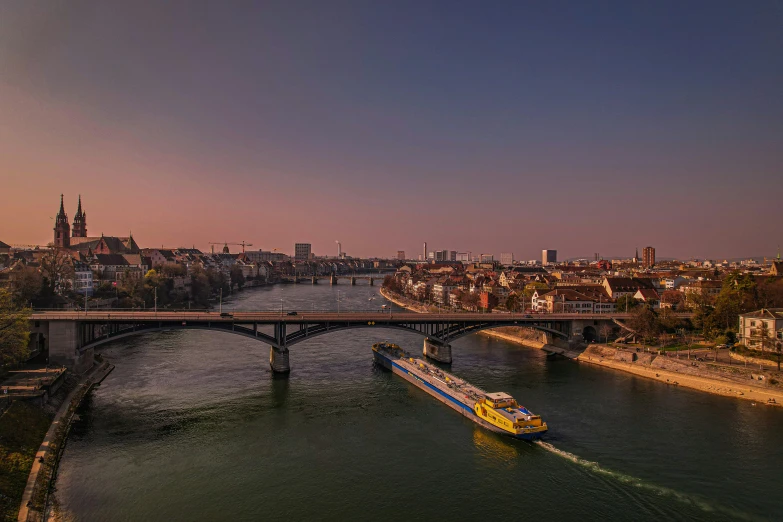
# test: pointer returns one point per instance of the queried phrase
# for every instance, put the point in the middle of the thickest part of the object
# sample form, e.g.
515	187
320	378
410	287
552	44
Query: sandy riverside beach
706	381
510	334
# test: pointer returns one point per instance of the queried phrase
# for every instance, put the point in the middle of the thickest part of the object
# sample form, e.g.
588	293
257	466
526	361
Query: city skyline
365	122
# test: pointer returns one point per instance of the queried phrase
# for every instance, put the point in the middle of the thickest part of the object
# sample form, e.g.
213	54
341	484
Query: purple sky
580	126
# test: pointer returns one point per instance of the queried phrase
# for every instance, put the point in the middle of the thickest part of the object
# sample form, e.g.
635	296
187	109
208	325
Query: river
193	426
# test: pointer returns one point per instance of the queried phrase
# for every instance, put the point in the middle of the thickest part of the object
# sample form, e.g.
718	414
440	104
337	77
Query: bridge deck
307	317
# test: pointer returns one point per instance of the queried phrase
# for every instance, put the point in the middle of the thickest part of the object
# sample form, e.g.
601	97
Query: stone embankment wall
36	493
721	379
755	361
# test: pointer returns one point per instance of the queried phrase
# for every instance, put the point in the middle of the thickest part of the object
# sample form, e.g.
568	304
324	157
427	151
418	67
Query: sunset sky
484	126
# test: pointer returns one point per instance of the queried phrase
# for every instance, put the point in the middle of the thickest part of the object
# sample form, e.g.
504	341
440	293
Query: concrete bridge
333	279
71	337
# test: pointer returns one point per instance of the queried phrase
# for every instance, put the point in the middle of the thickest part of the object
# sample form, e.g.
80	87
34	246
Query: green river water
193	426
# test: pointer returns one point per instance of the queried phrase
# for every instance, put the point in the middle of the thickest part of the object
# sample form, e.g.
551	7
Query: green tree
512	302
14	331
200	289
531	288
28	286
237	277
644	321
627	303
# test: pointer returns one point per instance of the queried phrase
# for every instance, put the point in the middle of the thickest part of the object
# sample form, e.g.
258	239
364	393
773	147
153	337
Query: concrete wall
65	347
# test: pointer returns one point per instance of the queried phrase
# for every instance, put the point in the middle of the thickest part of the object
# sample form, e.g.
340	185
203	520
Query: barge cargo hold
498	412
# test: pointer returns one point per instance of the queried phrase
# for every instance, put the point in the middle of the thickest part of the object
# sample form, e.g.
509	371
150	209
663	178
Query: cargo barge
498	412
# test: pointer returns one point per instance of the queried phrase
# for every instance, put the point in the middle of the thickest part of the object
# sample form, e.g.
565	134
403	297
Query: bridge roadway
71	336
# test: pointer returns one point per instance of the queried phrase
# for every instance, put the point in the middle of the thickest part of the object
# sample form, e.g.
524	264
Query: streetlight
281	306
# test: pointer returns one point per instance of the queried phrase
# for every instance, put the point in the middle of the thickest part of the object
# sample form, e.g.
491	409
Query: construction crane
226	243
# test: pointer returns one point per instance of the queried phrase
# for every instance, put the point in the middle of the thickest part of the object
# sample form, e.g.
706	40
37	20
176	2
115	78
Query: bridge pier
353	281
278	360
315	280
372	282
65	347
437	350
332	280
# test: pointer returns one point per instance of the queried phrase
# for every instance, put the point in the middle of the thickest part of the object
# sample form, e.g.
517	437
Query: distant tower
425	251
225	249
62	229
79	221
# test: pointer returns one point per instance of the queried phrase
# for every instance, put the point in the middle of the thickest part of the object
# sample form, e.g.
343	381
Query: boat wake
639	483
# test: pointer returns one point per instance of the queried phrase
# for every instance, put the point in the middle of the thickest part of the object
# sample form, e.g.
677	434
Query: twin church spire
62	230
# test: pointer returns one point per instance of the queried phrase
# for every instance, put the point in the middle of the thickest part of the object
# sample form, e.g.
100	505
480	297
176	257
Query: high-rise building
401	255
507	258
463	257
648	257
486	258
441	255
425	251
548	257
302	251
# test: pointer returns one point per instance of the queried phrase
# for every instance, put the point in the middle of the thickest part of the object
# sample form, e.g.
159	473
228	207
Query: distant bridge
333	279
71	336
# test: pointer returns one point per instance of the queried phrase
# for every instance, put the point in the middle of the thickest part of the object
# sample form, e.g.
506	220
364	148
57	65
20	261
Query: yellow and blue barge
498	412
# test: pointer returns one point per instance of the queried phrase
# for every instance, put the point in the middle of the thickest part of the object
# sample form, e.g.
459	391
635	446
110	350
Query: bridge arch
448	333
142	329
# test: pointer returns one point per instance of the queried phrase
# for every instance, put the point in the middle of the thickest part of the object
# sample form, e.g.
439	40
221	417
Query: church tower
61	228
80	221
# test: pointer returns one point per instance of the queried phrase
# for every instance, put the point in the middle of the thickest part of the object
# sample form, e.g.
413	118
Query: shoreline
528	343
704	383
36	497
708	384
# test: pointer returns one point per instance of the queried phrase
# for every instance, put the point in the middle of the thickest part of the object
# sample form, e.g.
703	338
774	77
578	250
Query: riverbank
762	387
36	493
522	336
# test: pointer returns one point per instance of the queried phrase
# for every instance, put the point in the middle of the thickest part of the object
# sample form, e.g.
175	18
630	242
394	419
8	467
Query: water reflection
494	447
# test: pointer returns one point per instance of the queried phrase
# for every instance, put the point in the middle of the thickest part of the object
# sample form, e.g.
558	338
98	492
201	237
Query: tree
512	302
200	289
14	331
469	300
605	330
237	277
760	337
627	303
673	298
57	268
644	322
531	288
28	286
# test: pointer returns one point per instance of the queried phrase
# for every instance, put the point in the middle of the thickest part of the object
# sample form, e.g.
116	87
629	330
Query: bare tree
605	330
57	267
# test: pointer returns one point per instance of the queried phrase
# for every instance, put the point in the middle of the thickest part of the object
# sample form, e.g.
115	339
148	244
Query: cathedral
75	238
